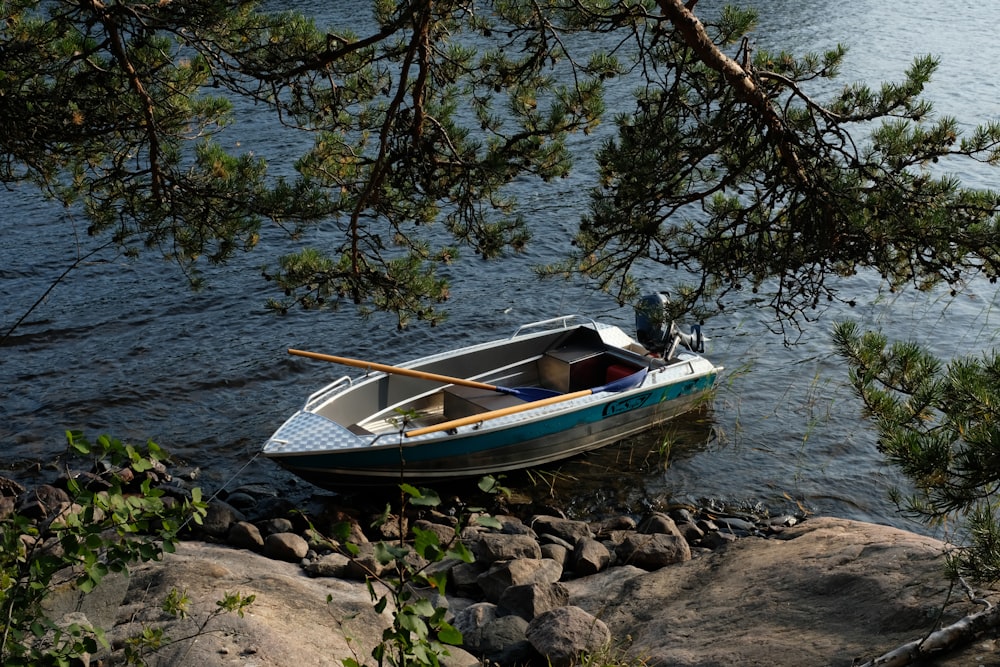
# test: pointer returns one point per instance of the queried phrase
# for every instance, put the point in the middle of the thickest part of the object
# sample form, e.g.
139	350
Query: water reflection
630	477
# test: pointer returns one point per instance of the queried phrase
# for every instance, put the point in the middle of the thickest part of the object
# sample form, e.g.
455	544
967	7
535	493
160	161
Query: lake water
123	347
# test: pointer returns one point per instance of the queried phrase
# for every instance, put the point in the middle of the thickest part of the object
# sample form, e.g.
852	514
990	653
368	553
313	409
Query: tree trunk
743	84
945	639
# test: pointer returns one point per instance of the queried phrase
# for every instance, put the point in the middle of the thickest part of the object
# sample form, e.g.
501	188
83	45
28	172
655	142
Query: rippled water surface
123	347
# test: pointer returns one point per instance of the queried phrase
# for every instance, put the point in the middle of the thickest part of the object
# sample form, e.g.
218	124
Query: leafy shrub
116	518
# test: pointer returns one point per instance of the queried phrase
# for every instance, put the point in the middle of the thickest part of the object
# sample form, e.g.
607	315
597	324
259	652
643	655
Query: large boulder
566	634
566	529
827	592
495	638
653	551
505	574
589	557
530	600
493	547
289	624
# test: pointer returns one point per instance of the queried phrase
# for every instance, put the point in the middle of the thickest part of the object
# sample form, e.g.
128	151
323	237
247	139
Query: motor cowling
652	324
656	332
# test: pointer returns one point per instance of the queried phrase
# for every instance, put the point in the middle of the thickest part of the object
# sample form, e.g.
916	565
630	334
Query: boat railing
562	321
323	393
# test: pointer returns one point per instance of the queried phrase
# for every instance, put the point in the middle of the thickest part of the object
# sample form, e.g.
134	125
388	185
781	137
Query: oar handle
501	412
395	370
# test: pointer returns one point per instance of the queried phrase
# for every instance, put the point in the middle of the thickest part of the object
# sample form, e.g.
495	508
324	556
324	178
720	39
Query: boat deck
566	369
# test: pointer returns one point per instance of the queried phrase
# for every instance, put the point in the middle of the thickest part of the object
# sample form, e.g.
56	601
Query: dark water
123	347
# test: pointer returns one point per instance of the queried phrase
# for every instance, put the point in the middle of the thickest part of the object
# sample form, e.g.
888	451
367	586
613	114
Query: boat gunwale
525	418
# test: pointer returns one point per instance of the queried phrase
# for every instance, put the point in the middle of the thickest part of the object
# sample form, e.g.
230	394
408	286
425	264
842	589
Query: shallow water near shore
124	347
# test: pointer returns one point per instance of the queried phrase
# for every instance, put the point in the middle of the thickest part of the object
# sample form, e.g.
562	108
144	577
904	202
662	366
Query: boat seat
467	401
575	368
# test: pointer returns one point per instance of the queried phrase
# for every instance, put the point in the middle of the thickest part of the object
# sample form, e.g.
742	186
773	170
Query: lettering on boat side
626	404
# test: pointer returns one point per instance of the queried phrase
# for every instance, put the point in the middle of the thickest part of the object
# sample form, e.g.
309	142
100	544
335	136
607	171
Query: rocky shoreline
511	604
685	587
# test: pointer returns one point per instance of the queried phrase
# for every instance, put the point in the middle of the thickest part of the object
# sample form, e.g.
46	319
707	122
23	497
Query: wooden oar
524	393
621	384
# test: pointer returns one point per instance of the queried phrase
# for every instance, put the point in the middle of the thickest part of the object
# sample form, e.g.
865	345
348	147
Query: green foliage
737	169
763	182
939	424
107	111
408	116
419	634
103	531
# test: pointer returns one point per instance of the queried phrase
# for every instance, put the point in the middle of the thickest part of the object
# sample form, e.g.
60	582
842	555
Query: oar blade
529	394
623	383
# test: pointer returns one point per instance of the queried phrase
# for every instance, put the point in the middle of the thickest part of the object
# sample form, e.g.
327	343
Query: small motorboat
552	390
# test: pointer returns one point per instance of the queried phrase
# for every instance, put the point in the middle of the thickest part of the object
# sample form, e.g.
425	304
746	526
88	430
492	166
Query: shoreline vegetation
536	586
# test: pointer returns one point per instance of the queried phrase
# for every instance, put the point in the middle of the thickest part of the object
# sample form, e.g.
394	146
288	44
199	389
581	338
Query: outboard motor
652	328
657	333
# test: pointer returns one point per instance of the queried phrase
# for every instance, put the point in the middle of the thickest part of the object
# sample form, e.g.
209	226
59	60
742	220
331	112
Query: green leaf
414	624
410	490
447	634
423	607
78	442
427	499
488	521
426	544
387	553
487	483
459	551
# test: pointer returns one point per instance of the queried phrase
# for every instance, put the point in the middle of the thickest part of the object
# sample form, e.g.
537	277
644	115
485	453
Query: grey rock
558	553
682	515
707	525
567	529
659	524
285	546
549	538
717	539
364	564
589	557
6	507
690	532
330	565
651	552
43	502
735	525
245	535
824	592
458	657
10	488
497	639
465	578
100	606
494	547
219	517
241	501
275	525
290	624
502	575
267	507
445	534
617	523
511	525
782	521
562	635
530	600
